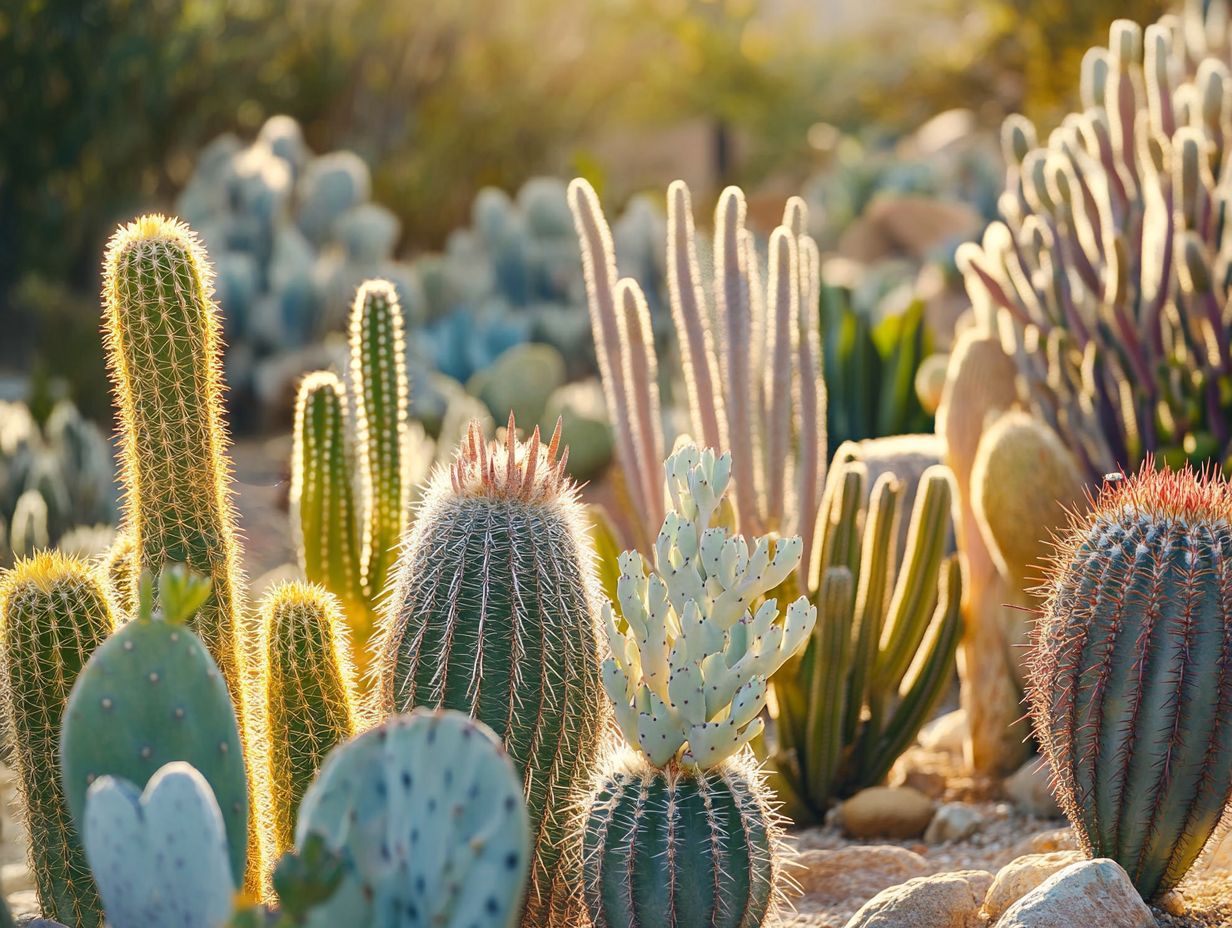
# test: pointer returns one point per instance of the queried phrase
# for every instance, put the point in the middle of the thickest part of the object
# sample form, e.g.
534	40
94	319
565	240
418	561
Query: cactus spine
426	814
492	613
121	570
310	693
152	694
882	653
54	615
348	529
1131	672
160	856
680	830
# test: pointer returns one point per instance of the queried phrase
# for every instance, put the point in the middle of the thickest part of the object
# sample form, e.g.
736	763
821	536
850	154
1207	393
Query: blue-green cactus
160	856
426	813
150	695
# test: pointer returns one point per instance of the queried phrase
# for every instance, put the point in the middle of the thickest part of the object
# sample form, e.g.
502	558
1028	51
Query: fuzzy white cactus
691	660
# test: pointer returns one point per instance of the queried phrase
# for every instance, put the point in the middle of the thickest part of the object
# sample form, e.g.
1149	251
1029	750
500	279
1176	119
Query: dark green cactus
55	614
309	685
152	694
882	653
493	614
1130	678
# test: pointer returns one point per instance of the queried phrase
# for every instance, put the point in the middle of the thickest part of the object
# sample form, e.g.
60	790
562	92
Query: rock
1029	789
15	877
922	770
945	900
1173	903
1218	856
953	821
827	878
1045	842
1091	894
1020	876
945	733
886	812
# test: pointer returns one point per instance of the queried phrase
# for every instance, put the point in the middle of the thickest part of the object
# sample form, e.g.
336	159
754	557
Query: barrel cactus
418	821
680	829
150	695
1131	672
493	613
54	614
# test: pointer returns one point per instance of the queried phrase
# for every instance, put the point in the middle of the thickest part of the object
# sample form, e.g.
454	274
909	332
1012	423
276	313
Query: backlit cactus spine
882	653
1131	672
680	829
493	613
54	614
310	693
349	503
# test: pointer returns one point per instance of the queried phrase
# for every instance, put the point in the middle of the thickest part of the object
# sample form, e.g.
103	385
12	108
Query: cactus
680	829
882	653
427	816
310	692
152	694
348	532
492	613
160	855
766	332
29	532
121	570
55	614
1131	671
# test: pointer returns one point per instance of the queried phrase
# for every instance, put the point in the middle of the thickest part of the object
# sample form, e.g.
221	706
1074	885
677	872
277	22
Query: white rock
1023	874
954	821
1089	894
1030	789
945	900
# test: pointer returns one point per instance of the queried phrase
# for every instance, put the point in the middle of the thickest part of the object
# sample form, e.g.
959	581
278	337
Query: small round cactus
681	831
1131	671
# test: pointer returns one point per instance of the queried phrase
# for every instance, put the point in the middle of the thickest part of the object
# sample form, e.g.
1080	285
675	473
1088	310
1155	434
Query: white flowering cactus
688	672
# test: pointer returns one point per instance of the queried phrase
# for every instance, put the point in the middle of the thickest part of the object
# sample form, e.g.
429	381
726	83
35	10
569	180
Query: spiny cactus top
1131	671
1109	272
689	676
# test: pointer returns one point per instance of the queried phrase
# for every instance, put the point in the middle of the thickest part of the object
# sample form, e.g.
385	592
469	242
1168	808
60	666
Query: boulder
944	900
830	878
886	812
1091	894
1023	874
1030	789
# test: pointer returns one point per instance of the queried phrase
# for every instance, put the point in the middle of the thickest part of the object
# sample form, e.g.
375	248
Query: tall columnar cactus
160	855
165	352
150	695
349	503
1108	272
54	615
753	381
680	829
121	570
493	613
882	653
426	816
310	691
1131	672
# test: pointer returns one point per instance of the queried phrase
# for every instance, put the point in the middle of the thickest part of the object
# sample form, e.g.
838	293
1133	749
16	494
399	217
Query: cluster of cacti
680	830
1131	671
752	377
493	613
882	653
514	276
53	480
349	473
291	236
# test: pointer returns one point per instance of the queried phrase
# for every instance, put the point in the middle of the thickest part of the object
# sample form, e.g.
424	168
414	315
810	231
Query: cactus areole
1131	671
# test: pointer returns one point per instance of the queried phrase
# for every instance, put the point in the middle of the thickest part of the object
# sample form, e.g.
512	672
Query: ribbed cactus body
164	347
310	693
121	569
152	694
1131	672
424	818
492	614
379	383
55	614
681	846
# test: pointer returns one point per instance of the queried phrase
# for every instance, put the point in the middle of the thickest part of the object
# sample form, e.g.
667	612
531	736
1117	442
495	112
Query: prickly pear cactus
150	695
310	692
427	814
160	856
680	831
493	614
54	614
1131	672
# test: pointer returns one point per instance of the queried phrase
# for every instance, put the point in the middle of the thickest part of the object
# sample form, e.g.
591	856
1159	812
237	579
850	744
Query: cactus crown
180	594
689	672
525	471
